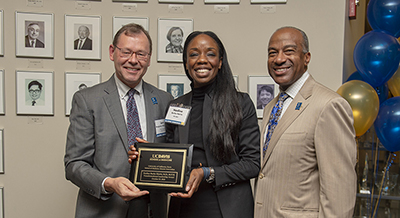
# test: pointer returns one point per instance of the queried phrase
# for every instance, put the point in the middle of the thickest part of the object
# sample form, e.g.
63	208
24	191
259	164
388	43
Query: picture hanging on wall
176	1
1	33
34	35
269	1
1	202
222	1
75	82
262	89
130	0
82	37
2	94
118	22
34	93
171	38
1	156
176	85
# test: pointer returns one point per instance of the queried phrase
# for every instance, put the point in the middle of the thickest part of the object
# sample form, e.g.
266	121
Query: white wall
34	183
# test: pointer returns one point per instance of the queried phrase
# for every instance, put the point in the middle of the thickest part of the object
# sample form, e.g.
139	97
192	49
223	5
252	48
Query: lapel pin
154	100
298	106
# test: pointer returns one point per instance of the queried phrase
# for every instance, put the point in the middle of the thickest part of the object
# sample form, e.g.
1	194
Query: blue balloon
387	124
384	15
377	57
382	91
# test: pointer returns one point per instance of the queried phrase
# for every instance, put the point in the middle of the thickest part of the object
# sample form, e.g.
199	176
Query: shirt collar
296	86
123	89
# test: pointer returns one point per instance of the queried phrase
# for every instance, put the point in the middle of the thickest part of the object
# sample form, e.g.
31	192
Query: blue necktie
274	118
132	115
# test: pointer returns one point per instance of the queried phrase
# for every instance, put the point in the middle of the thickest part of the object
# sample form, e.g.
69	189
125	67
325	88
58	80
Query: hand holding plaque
162	166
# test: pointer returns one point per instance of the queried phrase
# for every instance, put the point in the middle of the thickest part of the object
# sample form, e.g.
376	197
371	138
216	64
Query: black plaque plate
162	166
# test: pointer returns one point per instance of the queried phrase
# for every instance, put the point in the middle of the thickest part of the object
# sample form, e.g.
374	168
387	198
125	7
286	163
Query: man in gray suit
308	158
96	158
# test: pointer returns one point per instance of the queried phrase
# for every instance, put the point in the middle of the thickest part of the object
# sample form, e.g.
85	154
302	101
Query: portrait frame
43	103
177	1
254	84
164	25
73	82
221	1
2	92
165	80
119	21
269	1
1	153
1	201
93	24
44	46
1	33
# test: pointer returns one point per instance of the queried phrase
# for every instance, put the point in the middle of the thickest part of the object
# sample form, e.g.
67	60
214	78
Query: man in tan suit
308	166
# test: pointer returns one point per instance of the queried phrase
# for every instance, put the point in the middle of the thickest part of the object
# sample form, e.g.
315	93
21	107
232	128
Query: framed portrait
34	93
1	153
130	0
171	38
82	37
176	1
222	1
176	85
75	82
262	89
2	107
1	202
118	22
34	35
269	1
1	33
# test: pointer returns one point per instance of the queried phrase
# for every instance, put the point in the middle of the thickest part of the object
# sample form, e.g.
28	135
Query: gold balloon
364	102
394	83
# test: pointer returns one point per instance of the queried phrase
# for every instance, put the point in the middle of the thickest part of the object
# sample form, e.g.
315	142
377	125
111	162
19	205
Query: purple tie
132	115
274	118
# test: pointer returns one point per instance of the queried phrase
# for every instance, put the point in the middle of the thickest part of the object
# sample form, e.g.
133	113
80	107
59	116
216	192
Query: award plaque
162	166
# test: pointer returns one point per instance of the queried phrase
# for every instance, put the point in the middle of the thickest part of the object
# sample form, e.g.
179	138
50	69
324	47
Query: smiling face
265	97
286	60
34	92
130	70
203	60
176	37
33	31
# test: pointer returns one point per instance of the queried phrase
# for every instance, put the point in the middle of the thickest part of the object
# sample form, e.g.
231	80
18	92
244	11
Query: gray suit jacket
97	144
309	167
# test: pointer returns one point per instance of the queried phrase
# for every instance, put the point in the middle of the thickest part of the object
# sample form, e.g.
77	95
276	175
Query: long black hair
226	114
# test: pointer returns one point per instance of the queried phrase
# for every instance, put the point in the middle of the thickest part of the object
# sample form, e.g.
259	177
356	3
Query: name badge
160	127
177	114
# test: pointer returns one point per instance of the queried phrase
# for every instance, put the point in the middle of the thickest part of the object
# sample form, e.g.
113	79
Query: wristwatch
211	177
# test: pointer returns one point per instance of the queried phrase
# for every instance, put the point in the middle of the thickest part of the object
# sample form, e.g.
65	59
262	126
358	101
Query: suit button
261	176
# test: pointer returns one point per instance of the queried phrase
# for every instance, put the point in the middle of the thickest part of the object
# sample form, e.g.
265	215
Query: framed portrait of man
2	94
34	92
34	34
118	22
176	85
74	82
82	37
1	33
171	38
262	89
1	164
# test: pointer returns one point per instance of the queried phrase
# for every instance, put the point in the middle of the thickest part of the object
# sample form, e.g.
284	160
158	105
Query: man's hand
196	176
133	153
124	188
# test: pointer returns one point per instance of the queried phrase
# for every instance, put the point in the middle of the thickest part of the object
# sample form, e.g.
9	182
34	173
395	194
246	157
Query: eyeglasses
34	91
125	53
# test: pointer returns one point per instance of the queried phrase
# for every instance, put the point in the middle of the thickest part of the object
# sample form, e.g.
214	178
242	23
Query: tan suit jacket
309	167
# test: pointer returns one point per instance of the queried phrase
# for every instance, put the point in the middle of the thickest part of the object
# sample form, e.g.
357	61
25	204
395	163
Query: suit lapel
113	103
289	116
150	112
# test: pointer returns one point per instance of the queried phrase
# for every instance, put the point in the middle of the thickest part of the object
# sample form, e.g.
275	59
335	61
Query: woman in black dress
223	127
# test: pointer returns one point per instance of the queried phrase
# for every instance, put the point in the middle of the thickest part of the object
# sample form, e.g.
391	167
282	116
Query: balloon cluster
377	59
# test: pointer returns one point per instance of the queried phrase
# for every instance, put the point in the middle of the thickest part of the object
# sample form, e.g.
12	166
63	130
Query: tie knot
283	96
132	92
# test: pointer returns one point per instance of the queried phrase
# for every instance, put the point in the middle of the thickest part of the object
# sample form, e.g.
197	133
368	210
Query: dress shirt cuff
103	190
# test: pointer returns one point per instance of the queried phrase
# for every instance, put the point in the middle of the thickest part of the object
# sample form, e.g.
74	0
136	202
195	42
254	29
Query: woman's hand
196	176
132	154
